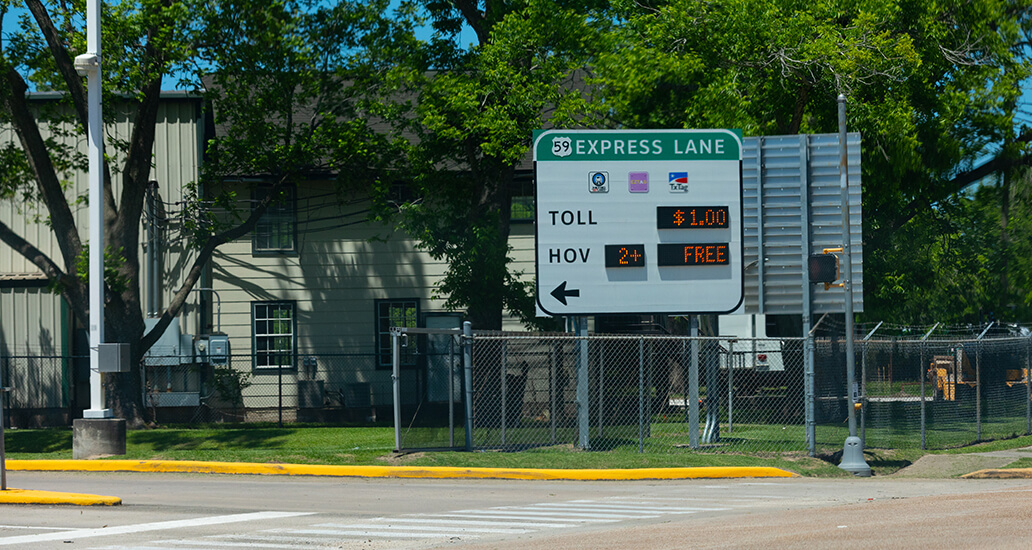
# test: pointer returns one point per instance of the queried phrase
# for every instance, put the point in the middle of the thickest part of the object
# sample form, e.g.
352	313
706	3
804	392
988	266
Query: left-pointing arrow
560	293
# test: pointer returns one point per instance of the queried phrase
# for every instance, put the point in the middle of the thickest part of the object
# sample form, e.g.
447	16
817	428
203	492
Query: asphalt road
183	511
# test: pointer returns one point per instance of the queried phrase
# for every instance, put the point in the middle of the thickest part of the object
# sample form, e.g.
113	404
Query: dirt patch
945	466
401	459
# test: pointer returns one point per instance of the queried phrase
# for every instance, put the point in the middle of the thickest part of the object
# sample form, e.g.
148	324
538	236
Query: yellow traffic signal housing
824	267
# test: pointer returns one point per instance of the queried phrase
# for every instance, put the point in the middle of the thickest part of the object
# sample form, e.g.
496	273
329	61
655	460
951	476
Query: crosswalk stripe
510	523
471	514
449	528
254	543
144	527
384	534
625	508
562	515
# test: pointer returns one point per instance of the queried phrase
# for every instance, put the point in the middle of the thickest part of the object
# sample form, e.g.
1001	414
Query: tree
470	126
932	87
256	43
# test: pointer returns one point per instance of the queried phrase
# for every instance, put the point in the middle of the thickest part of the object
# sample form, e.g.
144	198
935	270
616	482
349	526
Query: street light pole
853	451
89	64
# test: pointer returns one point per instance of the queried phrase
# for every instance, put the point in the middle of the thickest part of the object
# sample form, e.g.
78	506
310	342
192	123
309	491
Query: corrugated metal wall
796	180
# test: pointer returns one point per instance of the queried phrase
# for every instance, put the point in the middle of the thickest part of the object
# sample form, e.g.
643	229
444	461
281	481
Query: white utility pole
89	64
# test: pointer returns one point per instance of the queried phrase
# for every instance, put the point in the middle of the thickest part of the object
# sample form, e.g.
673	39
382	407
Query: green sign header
639	145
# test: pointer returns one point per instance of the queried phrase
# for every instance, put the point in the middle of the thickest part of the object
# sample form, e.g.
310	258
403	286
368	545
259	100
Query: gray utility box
113	358
212	349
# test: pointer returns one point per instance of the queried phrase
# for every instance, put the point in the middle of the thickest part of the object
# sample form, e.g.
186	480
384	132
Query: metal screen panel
778	173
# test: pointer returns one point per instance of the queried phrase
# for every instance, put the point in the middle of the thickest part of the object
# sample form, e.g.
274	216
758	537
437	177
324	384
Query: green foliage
114	261
229	384
469	131
931	86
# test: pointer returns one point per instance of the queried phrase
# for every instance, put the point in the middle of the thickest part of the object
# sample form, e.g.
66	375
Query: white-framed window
274	327
395	313
276	232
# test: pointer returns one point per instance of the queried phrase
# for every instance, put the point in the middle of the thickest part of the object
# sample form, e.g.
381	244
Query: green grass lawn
746	445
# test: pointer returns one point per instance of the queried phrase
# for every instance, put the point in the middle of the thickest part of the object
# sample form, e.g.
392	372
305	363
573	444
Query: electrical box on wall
212	349
113	358
218	349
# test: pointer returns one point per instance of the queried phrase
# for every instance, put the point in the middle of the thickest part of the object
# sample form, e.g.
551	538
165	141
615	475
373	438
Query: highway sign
638	221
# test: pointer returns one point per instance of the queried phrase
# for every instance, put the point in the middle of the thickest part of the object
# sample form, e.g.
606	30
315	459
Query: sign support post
853	451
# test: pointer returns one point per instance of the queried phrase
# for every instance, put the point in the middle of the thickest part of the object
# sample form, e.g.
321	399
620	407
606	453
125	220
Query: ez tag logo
562	146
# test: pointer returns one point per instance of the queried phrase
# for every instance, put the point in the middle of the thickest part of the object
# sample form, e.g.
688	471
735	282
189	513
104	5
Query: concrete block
98	437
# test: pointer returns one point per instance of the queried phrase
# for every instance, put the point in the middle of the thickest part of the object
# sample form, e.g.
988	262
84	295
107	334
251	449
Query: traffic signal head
823	268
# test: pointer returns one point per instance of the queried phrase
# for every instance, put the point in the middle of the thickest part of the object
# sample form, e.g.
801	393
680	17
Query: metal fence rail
640	393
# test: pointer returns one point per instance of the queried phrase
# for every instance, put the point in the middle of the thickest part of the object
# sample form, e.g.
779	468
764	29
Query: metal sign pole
853	452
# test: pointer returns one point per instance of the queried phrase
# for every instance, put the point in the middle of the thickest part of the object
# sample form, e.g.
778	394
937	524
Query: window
522	209
276	232
395	313
274	334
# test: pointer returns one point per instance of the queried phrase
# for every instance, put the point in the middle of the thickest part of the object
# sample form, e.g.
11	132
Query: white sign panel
638	221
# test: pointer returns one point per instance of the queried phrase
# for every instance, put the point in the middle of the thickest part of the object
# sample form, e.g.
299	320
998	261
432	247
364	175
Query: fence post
921	374
601	388
978	392
3	450
810	391
730	385
467	364
505	349
1028	385
583	410
641	394
395	385
863	393
693	387
451	392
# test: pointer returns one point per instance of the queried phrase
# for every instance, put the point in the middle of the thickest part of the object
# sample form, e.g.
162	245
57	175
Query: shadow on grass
172	440
38	441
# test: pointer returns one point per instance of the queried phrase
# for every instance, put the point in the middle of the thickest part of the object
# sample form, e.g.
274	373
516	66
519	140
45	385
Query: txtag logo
678	182
598	182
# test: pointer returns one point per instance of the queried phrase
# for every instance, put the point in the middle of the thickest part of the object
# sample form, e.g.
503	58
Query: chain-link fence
937	394
662	393
639	393
338	388
40	389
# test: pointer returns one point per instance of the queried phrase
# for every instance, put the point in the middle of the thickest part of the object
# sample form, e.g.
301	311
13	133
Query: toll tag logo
678	182
638	182
598	182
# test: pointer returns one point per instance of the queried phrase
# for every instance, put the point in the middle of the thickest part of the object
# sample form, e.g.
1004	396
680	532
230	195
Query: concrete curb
1005	473
440	472
21	496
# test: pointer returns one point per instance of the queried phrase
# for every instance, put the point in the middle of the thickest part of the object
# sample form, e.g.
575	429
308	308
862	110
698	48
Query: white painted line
448	528
382	534
250	544
556	514
37	528
482	523
625	507
518	516
144	527
629	512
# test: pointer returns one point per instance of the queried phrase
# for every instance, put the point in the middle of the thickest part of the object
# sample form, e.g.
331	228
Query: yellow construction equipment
943	372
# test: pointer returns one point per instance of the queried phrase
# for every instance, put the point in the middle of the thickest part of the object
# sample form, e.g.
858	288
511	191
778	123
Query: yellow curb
437	472
1006	473
22	496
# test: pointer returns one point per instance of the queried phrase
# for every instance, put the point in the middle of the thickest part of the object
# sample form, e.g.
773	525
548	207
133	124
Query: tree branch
61	219
69	285
205	254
